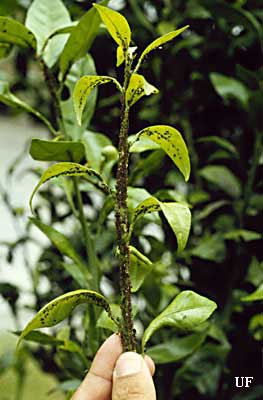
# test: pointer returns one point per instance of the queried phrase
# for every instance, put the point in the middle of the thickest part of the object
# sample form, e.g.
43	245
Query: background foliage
210	83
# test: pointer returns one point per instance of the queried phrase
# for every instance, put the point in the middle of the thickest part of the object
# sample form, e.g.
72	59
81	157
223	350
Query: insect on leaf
186	311
159	42
13	32
60	308
149	205
118	28
84	87
171	141
63	169
138	87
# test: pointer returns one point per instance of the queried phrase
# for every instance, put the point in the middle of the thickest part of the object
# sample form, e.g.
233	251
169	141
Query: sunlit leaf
187	311
138	87
179	218
13	32
244	234
47	150
118	28
140	267
10	99
84	66
176	349
177	215
222	177
84	87
159	42
171	141
61	307
63	169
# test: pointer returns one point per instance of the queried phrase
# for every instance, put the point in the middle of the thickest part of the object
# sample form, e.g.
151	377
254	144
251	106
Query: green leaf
256	295
144	144
94	143
230	88
256	327
77	273
84	87
138	87
13	32
61	242
63	169
210	248
177	215
223	178
179	218
255	272
159	42
5	50
244	234
187	311
84	66
79	41
47	150
222	142
11	100
61	307
210	208
172	143
44	17
40	337
105	322
140	267
176	349
118	28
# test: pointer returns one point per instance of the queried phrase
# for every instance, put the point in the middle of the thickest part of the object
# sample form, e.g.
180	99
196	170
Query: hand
117	376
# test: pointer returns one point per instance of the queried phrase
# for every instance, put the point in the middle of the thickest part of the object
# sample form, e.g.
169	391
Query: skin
117	376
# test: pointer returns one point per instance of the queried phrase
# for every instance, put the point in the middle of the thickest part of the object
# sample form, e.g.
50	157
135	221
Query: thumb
132	379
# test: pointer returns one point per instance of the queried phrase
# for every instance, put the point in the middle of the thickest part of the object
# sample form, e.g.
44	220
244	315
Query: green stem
122	223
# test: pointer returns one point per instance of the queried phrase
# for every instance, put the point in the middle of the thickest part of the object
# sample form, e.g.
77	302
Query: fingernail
128	364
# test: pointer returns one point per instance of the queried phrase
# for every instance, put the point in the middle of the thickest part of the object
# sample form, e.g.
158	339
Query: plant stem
122	223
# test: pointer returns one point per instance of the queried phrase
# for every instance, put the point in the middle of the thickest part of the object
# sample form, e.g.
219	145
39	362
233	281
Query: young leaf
257	295
61	242
179	218
13	32
138	87
64	169
177	215
176	349
186	311
149	205
84	66
43	18
47	150
223	178
171	141
158	43
60	308
10	99
84	87
140	267
79	41
118	28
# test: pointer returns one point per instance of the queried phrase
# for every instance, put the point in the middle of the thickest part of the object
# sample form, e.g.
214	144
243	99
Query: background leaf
47	150
229	88
222	177
43	18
